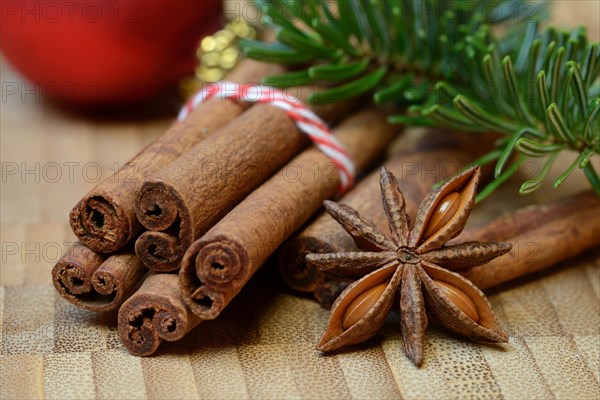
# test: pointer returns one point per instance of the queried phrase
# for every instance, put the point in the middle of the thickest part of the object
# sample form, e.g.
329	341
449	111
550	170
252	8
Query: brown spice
105	219
154	313
96	282
218	265
435	156
400	262
541	235
193	193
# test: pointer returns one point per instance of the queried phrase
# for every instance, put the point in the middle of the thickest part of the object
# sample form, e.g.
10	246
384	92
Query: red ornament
95	53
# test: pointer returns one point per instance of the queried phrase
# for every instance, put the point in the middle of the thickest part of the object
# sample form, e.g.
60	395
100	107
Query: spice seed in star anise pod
362	304
459	299
444	210
443	213
486	328
337	335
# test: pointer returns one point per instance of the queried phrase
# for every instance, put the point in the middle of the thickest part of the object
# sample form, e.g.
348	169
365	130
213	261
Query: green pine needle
540	89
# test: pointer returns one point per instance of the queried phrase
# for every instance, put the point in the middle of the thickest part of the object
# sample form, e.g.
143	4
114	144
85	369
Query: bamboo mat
263	344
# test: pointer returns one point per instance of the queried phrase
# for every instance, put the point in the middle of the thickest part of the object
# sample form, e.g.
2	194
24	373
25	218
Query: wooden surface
263	344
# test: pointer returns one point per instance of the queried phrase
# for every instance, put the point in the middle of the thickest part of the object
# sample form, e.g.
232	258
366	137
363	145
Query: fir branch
550	109
440	61
423	40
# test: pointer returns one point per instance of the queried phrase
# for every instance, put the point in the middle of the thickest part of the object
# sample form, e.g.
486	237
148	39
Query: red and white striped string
306	120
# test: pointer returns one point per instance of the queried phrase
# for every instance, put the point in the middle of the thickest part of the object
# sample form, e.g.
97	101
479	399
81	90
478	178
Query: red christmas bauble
94	53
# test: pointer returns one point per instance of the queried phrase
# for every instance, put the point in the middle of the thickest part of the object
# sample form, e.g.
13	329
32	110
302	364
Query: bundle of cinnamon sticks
102	270
225	155
216	195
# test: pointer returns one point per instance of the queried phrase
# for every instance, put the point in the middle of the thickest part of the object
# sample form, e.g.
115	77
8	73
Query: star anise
414	263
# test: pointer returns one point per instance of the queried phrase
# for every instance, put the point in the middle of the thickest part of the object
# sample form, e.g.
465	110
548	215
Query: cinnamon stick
541	235
218	265
528	218
105	219
182	201
418	165
154	313
94	281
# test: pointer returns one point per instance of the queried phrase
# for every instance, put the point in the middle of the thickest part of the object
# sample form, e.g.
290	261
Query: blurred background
108	54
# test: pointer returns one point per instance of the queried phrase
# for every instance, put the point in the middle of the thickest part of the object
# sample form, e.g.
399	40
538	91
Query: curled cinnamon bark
541	235
418	166
191	194
105	220
532	217
96	282
218	265
154	313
